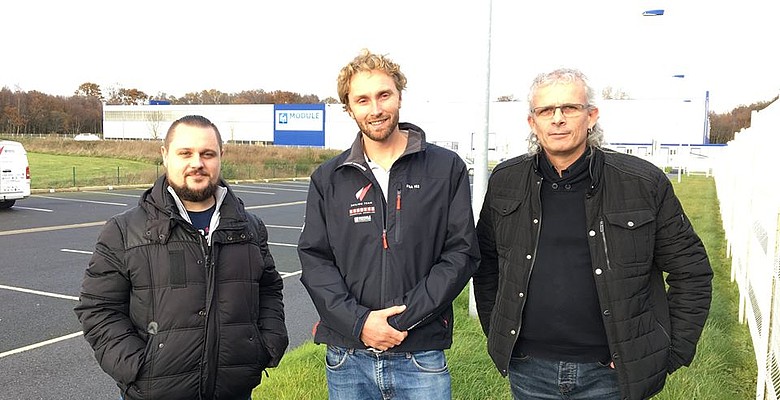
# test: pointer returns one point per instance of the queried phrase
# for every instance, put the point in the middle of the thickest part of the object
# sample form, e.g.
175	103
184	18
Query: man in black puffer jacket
575	241
181	299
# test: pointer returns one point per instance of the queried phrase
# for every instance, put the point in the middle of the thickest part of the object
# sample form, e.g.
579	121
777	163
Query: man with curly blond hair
387	245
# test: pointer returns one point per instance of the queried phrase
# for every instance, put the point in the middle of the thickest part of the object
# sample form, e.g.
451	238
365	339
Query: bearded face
192	163
202	188
374	104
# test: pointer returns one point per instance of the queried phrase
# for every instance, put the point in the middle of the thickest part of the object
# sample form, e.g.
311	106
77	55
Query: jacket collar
215	217
595	166
415	143
164	210
219	197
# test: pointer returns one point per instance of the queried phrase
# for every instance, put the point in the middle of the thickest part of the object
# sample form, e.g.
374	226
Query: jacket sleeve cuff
673	364
359	323
393	321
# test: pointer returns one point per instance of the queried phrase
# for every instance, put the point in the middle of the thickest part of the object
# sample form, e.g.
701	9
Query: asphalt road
45	244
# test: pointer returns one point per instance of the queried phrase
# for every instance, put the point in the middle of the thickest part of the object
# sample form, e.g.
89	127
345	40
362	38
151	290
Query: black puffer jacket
637	230
360	254
171	317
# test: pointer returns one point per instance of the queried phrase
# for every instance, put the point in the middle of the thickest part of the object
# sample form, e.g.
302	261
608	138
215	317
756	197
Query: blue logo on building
299	125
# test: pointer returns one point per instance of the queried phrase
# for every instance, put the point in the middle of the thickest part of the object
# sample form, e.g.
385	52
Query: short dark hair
192	120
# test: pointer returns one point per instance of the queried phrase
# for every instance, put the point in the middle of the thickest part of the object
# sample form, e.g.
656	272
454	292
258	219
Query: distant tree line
723	126
38	113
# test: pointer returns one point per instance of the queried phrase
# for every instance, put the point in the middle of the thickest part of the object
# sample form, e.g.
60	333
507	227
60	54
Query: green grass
724	367
65	171
59	171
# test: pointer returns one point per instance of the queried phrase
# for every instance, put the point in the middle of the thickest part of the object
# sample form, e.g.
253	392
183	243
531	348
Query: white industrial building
668	132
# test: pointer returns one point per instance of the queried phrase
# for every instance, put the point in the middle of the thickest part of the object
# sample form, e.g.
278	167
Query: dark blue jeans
538	379
357	374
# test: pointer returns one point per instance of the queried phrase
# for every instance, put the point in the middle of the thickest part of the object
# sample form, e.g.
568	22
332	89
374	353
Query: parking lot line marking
34	209
76	251
40	293
84	201
284	227
273	187
289	185
41	344
51	228
251	192
135	196
294	203
290	190
289	274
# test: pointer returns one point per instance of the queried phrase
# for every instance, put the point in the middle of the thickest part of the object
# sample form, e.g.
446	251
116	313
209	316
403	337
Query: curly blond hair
367	61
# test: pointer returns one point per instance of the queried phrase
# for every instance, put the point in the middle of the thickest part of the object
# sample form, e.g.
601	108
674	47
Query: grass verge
60	171
64	163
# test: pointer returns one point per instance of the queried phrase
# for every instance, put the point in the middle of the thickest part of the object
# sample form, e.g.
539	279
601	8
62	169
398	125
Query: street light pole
480	141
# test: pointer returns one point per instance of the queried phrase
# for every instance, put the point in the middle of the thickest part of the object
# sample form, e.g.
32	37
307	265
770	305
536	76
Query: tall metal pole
481	149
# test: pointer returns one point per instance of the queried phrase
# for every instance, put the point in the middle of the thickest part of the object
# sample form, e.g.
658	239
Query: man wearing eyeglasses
575	242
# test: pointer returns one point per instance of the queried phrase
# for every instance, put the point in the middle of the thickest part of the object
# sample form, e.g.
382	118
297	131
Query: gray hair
563	75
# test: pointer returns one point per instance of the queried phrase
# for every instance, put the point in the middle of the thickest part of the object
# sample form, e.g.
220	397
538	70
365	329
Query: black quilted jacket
637	231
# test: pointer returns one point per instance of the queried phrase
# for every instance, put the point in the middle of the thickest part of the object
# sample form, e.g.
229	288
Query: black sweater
562	320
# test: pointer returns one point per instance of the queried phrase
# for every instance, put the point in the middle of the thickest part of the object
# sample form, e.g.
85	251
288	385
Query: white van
14	173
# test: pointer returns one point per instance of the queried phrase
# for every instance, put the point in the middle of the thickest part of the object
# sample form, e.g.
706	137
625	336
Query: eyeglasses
568	110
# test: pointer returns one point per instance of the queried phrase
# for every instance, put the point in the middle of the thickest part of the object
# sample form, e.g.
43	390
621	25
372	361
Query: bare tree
610	93
154	119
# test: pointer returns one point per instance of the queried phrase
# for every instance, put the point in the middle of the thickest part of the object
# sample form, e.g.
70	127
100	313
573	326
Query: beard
196	196
379	135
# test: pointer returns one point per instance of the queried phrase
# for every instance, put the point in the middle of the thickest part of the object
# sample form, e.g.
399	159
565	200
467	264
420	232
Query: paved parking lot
45	244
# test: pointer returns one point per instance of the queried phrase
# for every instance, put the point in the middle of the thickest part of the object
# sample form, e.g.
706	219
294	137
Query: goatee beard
379	136
195	196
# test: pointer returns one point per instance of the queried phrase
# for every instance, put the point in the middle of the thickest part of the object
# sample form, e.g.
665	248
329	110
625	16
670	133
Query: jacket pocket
503	207
631	236
141	385
263	354
506	220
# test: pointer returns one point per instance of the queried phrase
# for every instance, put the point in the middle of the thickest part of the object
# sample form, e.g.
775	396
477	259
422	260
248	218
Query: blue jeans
534	378
357	374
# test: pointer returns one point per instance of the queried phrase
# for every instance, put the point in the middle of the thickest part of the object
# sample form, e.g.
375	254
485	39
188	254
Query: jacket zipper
397	215
604	241
385	246
206	250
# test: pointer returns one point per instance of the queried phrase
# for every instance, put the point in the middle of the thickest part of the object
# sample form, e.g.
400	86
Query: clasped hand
378	334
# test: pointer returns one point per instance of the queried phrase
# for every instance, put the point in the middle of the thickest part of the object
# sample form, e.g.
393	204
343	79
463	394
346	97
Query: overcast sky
175	47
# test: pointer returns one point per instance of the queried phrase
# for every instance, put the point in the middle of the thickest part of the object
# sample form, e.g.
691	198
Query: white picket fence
748	188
